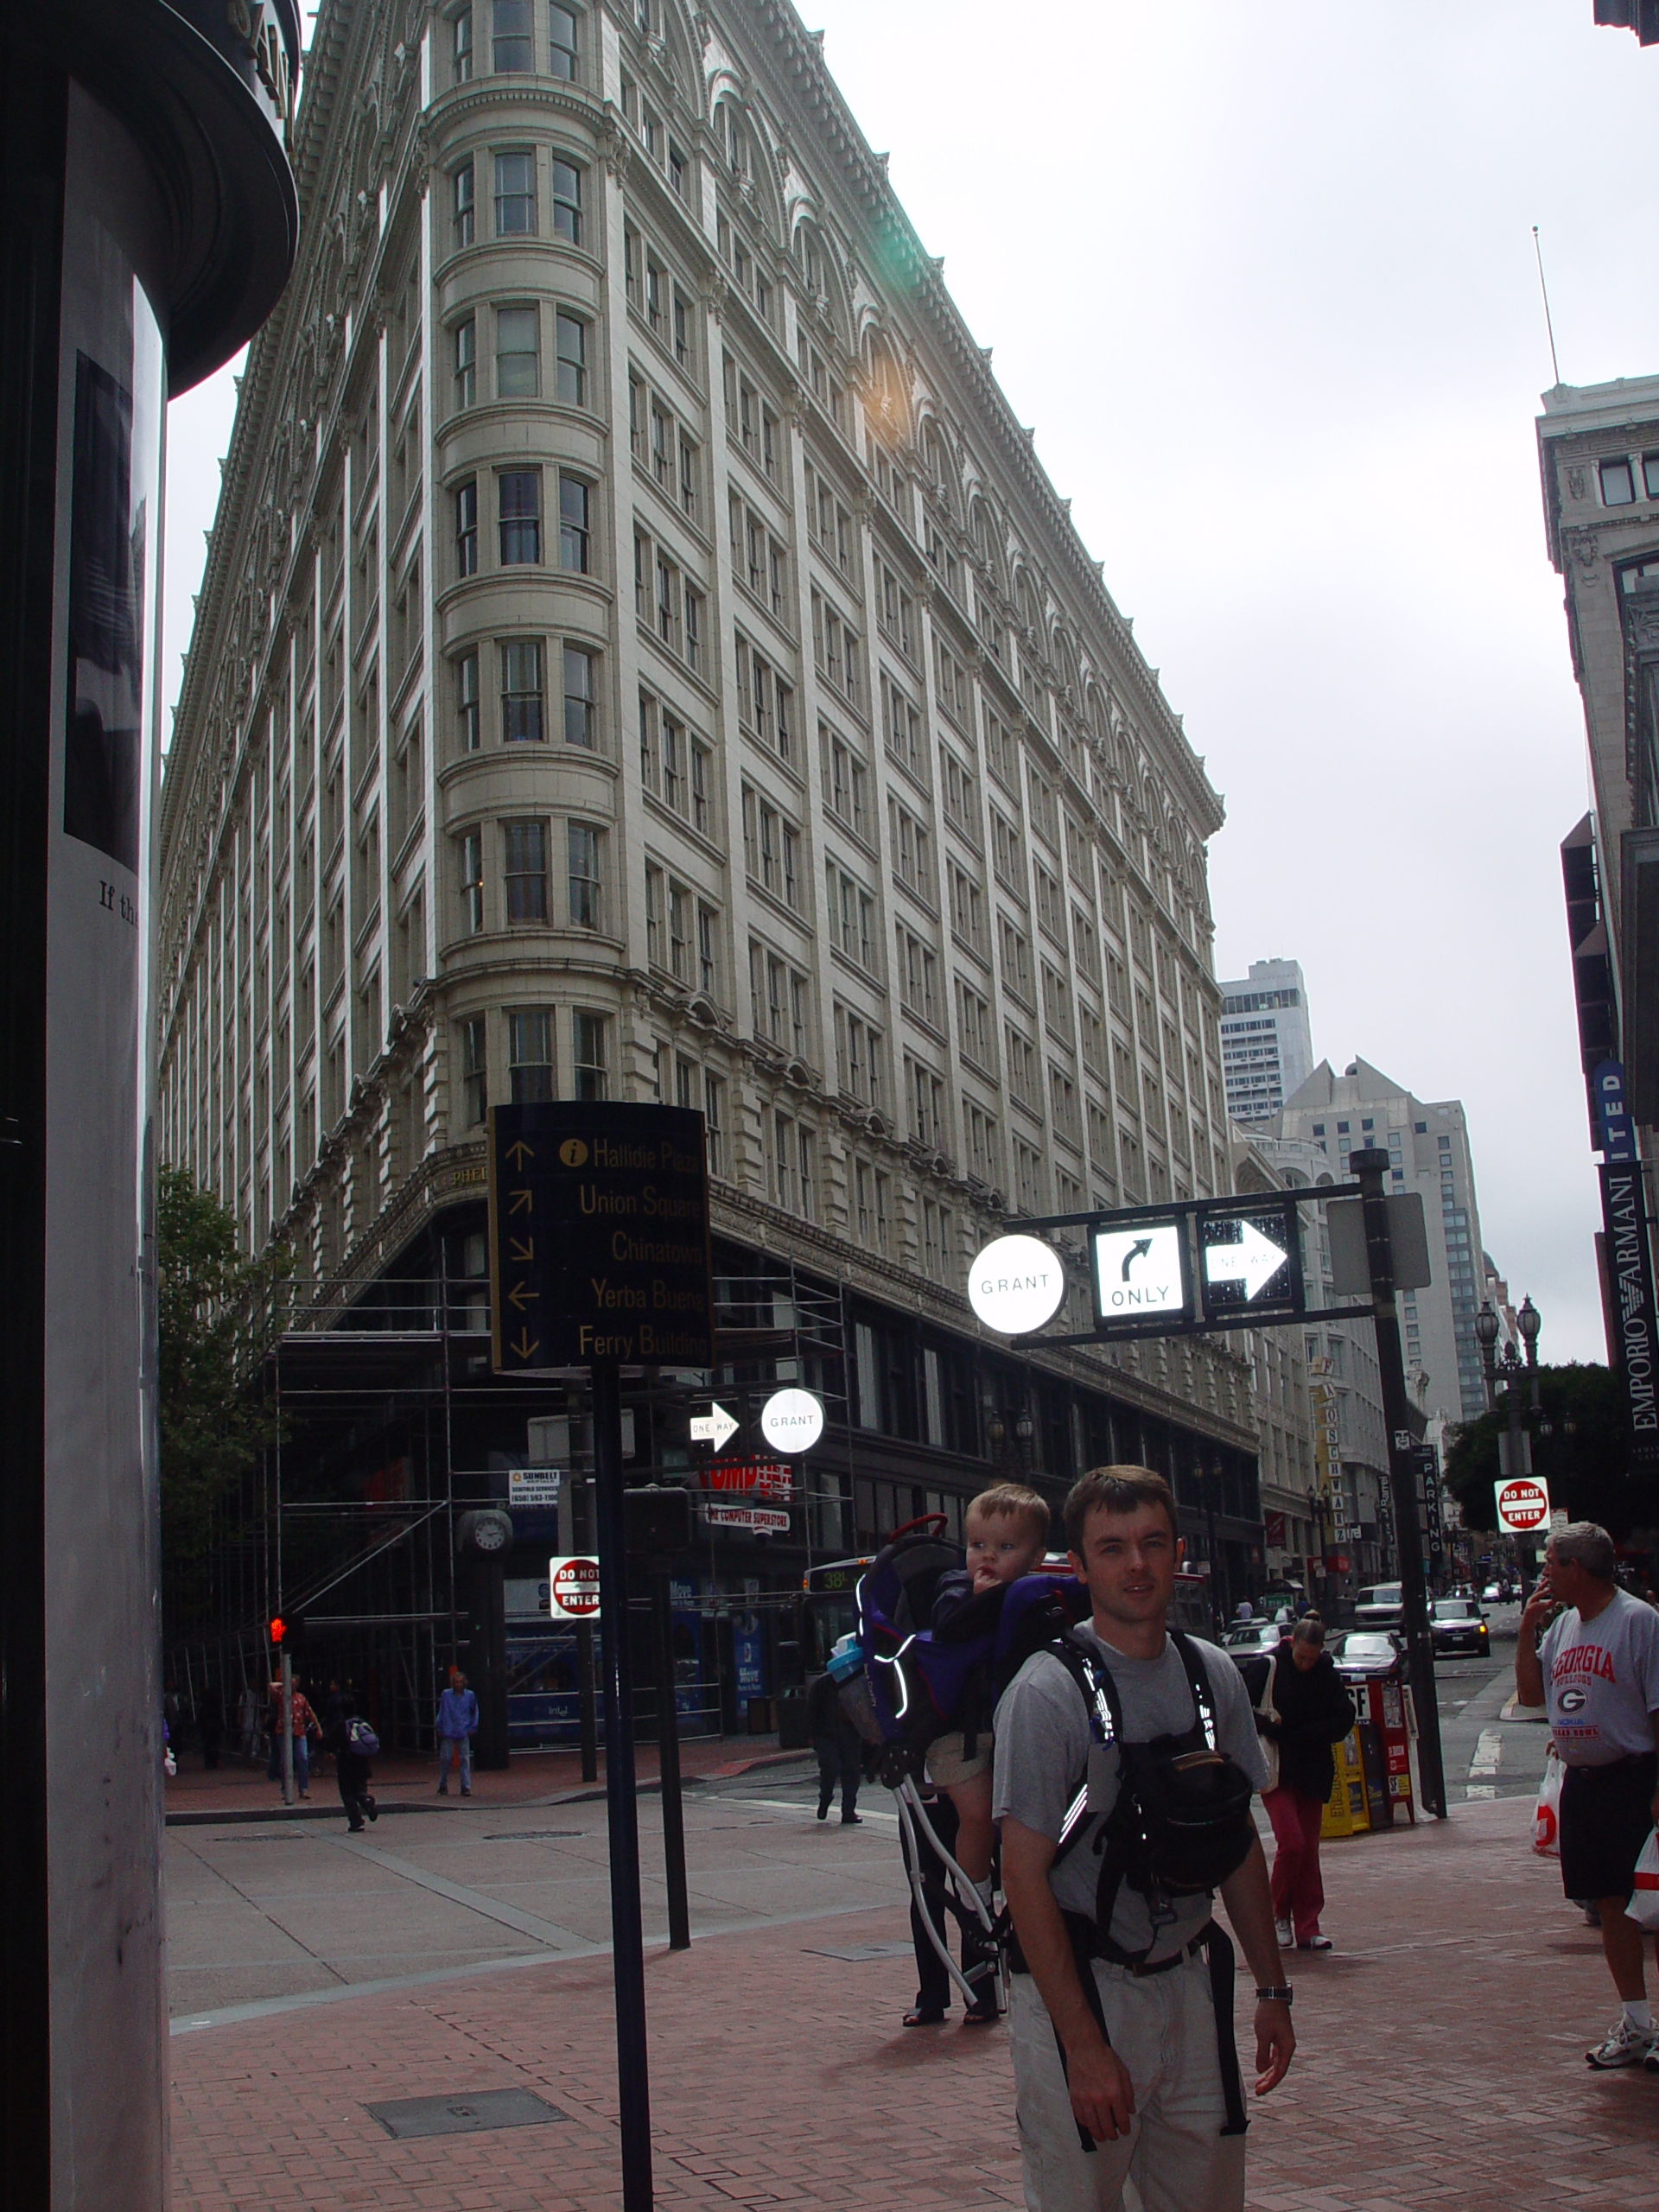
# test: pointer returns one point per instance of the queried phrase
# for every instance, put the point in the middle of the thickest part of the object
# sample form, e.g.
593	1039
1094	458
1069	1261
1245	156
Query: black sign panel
599	1237
1630	1282
1249	1261
1426	1461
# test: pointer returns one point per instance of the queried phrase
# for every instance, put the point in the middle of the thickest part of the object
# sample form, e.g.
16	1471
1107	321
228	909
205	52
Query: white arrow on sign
1253	1261
716	1427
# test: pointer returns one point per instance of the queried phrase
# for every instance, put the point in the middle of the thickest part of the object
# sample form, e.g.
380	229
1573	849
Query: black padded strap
1219	1951
1197	1681
1081	1929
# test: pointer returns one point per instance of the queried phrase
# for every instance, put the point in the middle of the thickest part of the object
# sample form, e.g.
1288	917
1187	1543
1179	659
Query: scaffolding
390	1423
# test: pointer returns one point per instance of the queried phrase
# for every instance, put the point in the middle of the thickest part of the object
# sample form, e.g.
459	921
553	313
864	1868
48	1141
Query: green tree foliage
214	1427
1588	1470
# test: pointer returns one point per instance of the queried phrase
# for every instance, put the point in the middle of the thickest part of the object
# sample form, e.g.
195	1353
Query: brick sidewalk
1441	2063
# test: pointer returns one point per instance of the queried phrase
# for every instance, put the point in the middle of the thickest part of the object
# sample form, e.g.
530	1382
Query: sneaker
1625	2046
1281	1928
466	1793
1315	1943
824	1810
371	1808
443	1789
852	1819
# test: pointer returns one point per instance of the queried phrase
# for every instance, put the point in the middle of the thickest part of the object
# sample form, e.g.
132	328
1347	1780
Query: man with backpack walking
1126	1757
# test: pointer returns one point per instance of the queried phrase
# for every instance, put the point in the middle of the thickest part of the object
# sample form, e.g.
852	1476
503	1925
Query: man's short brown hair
1014	1498
1114	1490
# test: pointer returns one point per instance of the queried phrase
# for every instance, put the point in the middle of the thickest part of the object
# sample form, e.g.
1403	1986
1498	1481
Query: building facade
1599	458
640	658
1266	1043
1428	1152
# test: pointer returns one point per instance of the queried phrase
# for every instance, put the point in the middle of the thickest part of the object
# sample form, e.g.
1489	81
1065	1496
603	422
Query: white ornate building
640	654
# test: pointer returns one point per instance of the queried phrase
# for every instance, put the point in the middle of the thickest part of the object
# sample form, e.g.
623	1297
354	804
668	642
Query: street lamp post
1514	1446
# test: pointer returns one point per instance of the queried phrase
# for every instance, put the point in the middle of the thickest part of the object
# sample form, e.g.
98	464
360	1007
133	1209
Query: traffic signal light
276	1629
287	1635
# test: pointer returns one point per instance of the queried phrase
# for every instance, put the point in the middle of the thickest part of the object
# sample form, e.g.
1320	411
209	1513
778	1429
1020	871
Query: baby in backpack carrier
1007	1533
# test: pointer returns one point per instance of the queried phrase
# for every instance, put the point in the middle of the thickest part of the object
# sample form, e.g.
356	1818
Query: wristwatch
1282	1995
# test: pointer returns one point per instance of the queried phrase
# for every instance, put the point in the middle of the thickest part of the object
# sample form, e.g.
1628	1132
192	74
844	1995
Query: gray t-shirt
1044	1742
1601	1682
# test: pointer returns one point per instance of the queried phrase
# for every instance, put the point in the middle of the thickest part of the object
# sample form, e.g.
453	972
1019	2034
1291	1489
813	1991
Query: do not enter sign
1522	1507
572	1589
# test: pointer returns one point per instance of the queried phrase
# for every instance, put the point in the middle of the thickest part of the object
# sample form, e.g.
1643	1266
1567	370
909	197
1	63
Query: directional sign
1249	1258
1522	1506
1141	1272
572	1589
716	1426
599	1237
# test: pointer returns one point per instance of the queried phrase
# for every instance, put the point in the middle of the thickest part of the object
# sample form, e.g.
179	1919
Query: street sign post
599	1258
1196	1267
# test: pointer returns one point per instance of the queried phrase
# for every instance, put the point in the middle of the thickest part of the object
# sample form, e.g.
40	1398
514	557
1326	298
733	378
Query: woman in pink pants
1310	1711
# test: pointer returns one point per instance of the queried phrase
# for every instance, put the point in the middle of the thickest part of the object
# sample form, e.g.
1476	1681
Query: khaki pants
1175	2157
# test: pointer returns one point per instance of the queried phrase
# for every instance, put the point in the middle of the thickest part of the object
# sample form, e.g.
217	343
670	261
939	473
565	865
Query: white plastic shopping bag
1644	1907
1547	1814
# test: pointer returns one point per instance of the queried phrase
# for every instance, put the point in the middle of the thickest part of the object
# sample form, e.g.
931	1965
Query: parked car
1382	1605
1362	1652
1244	1637
1459	1624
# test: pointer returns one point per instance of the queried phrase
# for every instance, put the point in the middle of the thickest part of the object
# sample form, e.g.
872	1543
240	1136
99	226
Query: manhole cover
535	1835
464	2115
857	1952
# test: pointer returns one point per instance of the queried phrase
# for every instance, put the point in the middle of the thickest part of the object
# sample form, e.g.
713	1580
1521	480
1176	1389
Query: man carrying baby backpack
1126	1759
1597	1671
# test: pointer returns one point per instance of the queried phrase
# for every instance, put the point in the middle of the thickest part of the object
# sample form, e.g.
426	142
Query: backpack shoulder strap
1197	1679
1105	1709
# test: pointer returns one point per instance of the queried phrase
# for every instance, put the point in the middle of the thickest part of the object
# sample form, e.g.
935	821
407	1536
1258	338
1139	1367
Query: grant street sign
1140	1273
791	1421
1015	1285
599	1237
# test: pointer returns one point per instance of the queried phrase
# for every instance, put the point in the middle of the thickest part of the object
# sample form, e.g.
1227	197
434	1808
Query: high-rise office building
640	657
1428	1152
1266	1044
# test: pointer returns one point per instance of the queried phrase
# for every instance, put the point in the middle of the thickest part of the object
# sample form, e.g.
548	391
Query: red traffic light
277	1632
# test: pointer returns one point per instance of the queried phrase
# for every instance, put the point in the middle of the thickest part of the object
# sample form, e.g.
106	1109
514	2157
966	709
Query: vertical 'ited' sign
599	1258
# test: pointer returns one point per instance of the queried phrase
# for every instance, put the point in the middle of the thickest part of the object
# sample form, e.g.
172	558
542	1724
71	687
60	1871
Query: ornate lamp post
1515	1446
1316	1514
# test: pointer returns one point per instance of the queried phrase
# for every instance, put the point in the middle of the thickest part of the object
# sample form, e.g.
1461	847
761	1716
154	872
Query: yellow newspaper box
1346	1811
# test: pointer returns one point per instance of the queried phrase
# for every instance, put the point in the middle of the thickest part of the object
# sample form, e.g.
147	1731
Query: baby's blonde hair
1024	1505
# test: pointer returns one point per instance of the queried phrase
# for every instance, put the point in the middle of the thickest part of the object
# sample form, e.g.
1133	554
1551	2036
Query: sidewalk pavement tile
1441	2061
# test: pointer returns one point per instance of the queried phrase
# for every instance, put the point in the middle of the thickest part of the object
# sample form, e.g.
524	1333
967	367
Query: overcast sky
1260	273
